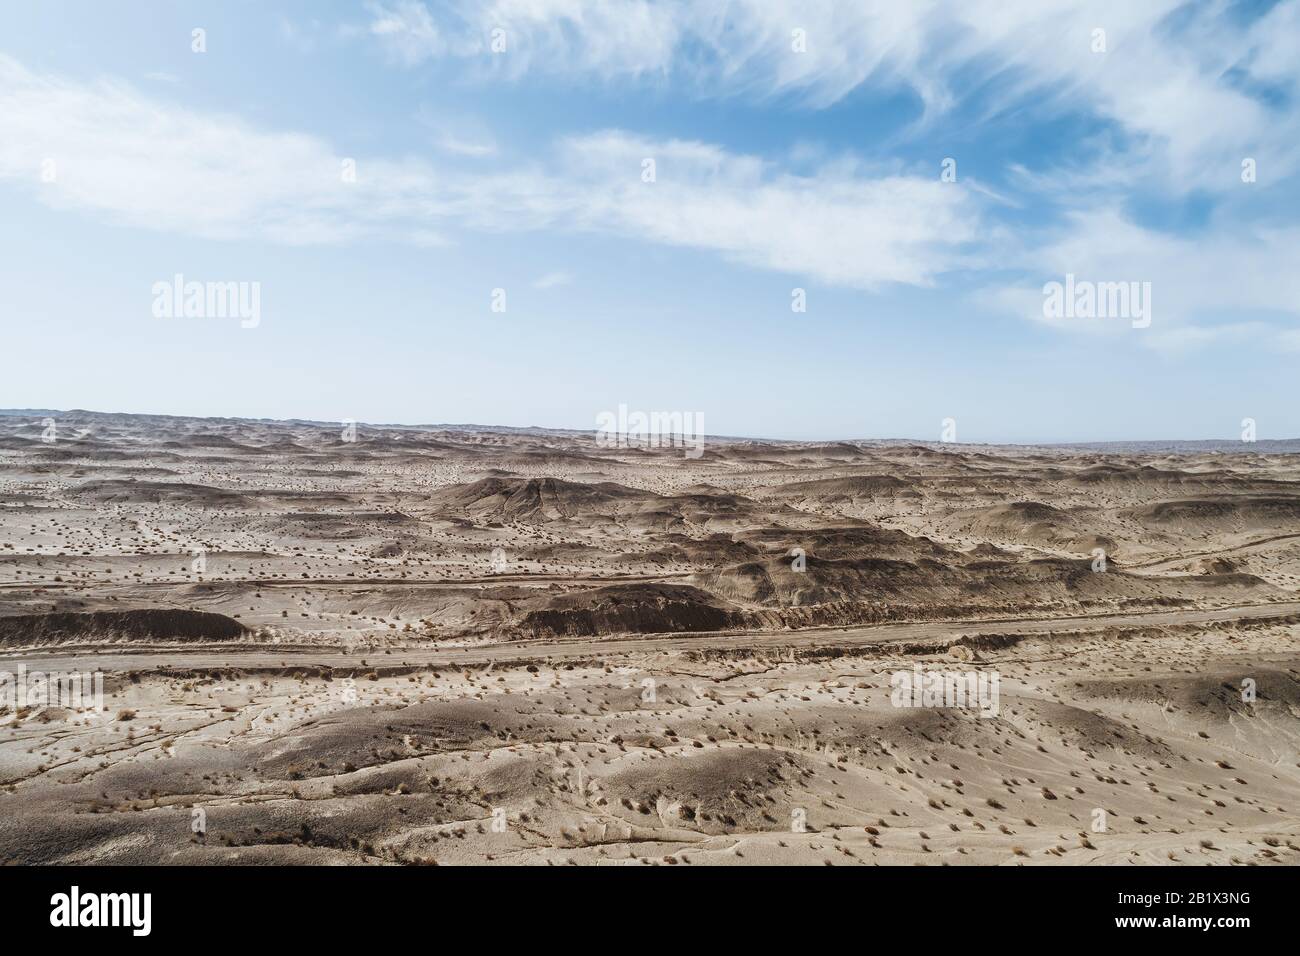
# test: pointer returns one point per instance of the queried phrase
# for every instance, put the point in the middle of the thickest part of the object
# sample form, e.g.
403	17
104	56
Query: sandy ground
445	646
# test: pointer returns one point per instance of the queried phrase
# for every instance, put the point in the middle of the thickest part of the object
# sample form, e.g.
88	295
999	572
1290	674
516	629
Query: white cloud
1217	286
552	279
149	164
465	147
837	226
143	163
611	37
409	30
303	36
1164	78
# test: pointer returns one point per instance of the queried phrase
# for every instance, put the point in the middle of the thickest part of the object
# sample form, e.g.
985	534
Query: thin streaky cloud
552	280
140	161
1161	77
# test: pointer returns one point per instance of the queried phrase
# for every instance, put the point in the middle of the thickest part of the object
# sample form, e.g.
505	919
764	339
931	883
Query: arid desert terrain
333	644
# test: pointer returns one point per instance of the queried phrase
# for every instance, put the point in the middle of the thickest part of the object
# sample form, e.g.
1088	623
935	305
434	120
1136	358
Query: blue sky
796	145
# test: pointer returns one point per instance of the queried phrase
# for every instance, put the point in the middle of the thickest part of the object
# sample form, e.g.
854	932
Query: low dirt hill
161	624
844	489
926	583
848	541
630	608
1031	523
774	582
534	499
1261	513
112	491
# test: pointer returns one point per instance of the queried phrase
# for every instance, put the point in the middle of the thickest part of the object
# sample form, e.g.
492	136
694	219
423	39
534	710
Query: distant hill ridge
1154	446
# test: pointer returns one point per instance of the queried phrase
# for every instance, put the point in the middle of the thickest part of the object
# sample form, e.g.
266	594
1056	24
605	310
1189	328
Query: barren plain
449	644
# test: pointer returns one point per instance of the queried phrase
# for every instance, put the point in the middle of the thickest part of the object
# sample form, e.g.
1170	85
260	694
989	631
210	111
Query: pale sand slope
581	768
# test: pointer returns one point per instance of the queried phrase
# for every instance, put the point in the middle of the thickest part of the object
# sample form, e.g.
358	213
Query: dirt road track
273	657
1162	564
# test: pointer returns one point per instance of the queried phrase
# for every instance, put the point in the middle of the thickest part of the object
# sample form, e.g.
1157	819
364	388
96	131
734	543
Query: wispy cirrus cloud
615	37
839	225
1186	84
1233	282
466	147
552	280
146	163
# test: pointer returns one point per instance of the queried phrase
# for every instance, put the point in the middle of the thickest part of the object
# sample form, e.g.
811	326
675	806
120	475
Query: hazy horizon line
504	428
